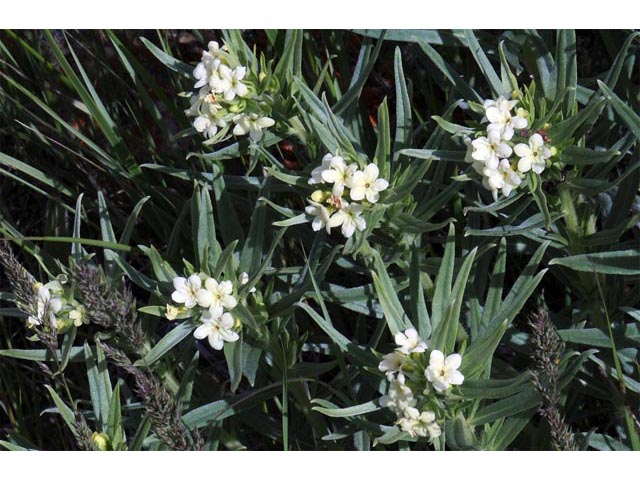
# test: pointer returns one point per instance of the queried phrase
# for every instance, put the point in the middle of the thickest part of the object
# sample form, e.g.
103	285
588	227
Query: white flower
392	363
231	82
503	178
206	72
443	373
316	173
339	174
186	290
216	294
398	398
208	125
350	219
251	124
498	112
532	156
217	327
243	279
410	342
489	150
367	184
321	216
45	302
419	424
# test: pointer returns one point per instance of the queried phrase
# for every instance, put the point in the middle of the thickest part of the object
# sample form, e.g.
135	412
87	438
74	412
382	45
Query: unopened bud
101	440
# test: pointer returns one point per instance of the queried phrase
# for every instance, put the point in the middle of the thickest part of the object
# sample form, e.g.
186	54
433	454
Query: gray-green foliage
104	175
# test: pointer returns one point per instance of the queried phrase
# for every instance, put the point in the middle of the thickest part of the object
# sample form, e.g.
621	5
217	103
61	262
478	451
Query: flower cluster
56	306
491	152
210	299
330	207
413	389
226	96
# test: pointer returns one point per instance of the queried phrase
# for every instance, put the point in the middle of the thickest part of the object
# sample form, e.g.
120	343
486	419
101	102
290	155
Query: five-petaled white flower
409	342
489	150
398	398
321	216
532	156
206	72
206	123
419	424
367	184
443	373
45	303
253	124
316	173
498	112
350	219
338	173
503	178
186	290
392	363
216	294
216	326
231	79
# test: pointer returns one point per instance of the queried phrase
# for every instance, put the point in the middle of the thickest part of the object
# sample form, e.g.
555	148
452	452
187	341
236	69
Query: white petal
440	385
522	150
519	122
357	192
240	72
179	296
215	340
538	167
361	223
194	281
204	298
337	219
226	320
229	302
348	229
453	361
329	175
436	359
381	184
202	331
317	223
371	171
372	196
524	164
536	141
240	129
504	150
229	335
455	378
265	122
180	283
508	132
494	115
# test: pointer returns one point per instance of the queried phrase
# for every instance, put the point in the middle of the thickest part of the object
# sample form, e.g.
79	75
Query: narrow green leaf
621	262
331	410
170	340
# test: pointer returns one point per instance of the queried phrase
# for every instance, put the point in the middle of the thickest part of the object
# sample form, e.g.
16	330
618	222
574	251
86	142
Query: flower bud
101	440
319	196
172	312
